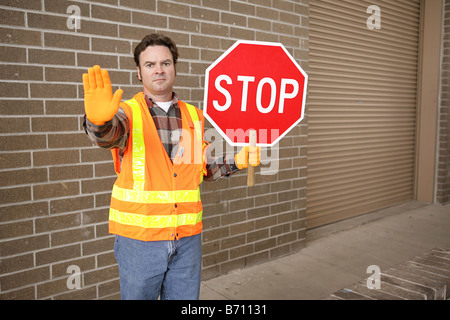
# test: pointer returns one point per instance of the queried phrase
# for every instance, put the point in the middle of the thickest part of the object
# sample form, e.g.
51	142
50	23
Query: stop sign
255	85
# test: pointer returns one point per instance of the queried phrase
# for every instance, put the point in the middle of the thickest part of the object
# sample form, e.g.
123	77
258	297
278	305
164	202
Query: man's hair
155	39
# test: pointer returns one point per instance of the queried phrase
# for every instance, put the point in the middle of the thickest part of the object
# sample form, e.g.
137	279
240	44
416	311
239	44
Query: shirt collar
151	103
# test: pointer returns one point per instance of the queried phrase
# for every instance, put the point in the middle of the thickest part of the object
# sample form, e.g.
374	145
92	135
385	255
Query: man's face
157	72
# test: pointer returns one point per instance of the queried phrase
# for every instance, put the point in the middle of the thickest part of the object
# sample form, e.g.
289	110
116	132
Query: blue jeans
169	269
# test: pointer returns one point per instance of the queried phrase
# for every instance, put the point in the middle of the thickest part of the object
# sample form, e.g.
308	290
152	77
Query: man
160	158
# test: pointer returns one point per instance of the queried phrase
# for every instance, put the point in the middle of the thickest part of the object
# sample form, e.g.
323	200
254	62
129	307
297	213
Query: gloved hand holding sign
248	155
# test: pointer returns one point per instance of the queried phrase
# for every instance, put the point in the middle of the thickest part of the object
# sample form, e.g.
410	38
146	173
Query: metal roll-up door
361	108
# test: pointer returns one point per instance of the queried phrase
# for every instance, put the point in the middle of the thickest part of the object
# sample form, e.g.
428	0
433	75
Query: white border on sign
205	98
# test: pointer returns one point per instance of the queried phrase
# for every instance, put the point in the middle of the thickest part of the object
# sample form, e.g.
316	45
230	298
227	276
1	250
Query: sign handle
251	169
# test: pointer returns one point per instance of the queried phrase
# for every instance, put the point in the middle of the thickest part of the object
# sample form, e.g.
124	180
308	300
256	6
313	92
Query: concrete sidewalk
338	255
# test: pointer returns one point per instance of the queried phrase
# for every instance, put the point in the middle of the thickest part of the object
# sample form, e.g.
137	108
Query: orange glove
99	103
246	155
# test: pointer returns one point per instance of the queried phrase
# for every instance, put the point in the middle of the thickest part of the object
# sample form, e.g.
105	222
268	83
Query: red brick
205	14
97	185
47	21
149	5
14	125
90	59
71	204
59	6
51	57
101	275
24	278
221	5
65	41
64	107
26	176
104	170
242	251
95	216
13	54
102	230
57	222
68	140
112	14
72	236
13	89
20	294
114	46
24	245
15	160
85	263
23	4
71	172
96	246
88	293
174	9
63	74
20	36
215	258
18	72
108	288
23	211
51	288
10	265
21	107
54	190
14	195
103	200
46	124
43	158
233	19
47	90
242	228
16	229
99	28
58	254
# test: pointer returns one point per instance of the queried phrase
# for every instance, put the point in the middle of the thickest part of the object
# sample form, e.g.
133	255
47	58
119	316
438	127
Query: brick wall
55	186
443	183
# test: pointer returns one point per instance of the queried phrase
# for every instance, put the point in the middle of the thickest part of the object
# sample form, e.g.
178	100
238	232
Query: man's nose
158	68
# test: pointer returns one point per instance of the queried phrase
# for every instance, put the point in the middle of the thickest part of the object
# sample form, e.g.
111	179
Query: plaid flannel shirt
114	134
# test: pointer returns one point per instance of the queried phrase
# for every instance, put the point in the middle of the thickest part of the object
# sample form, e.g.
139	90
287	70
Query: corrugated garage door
361	108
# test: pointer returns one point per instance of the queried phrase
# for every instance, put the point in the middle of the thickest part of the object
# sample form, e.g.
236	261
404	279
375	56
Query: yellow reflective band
139	196
138	146
198	130
195	120
152	221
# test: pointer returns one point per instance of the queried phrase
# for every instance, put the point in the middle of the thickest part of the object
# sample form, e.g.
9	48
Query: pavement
338	255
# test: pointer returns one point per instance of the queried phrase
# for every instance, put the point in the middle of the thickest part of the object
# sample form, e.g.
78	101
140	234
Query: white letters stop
265	82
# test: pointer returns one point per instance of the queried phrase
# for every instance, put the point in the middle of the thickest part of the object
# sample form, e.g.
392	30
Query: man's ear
139	73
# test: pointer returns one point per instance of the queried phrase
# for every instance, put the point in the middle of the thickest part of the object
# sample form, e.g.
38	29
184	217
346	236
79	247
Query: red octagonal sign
255	85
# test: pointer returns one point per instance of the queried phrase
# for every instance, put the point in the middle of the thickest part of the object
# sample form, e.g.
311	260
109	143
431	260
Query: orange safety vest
154	199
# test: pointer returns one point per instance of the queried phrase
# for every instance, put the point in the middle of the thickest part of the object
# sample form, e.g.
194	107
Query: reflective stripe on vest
139	196
155	221
196	121
138	146
198	131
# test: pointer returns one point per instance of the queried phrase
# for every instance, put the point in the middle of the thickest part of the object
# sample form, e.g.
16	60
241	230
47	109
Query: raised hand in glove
246	155
99	102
